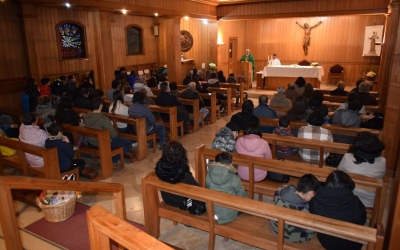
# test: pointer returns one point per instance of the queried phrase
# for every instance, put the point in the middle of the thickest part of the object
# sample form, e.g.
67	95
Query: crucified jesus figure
307	32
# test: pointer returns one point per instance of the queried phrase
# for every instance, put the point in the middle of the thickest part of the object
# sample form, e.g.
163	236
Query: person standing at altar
248	57
274	60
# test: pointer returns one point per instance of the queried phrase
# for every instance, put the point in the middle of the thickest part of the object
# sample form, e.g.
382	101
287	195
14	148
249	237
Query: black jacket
340	204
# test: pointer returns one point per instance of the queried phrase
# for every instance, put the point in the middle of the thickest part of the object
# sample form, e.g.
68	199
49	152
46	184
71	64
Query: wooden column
30	37
391	133
173	39
104	66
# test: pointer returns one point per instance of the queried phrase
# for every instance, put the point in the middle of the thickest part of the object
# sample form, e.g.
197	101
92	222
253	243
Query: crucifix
307	32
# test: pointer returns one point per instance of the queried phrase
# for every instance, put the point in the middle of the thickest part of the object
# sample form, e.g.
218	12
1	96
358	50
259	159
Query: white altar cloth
293	71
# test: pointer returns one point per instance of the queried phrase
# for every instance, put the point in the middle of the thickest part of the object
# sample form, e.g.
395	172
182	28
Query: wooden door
232	54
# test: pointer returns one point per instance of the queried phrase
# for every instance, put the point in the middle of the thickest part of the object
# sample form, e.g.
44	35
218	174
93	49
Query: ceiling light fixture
124	11
186	18
156	14
67	5
205	21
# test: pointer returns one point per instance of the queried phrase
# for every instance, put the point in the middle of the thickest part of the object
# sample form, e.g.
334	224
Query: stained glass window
134	40
71	40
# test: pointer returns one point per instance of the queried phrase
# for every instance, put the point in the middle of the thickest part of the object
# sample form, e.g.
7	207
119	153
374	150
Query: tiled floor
181	236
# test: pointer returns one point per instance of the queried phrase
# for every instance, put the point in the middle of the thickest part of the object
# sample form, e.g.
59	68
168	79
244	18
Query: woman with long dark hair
364	158
118	107
299	112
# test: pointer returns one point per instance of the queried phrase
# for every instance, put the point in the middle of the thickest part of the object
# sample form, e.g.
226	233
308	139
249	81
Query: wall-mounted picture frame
373	40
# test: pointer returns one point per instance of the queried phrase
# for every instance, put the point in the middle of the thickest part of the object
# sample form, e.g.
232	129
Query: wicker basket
59	212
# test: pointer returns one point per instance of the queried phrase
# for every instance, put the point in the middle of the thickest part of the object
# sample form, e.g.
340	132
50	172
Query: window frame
141	35
59	46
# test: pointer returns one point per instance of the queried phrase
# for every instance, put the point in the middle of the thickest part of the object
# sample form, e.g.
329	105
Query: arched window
71	40
134	40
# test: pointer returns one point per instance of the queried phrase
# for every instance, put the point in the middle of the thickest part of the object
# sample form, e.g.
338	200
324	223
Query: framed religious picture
373	40
186	41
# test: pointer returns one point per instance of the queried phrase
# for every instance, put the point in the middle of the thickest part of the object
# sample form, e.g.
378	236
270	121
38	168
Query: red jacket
45	90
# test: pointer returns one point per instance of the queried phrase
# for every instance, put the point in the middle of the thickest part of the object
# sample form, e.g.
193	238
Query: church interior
177	36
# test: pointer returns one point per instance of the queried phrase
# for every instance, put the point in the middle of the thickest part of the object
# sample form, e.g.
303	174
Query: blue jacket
140	110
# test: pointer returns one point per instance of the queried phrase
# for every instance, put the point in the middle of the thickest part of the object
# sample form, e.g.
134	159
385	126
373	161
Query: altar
273	76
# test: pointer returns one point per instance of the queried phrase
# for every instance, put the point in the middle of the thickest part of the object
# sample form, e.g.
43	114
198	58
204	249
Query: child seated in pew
284	130
66	152
221	176
296	198
173	167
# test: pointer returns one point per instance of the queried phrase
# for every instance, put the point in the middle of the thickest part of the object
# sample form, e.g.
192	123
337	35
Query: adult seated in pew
187	79
375	121
231	78
207	102
299	85
263	110
246	116
65	114
336	200
364	97
349	117
356	89
100	93
339	91
83	101
66	152
89	85
314	131
296	198
225	138
196	74
132	78
316	100
279	99
139	109
70	88
148	101
173	87
128	93
299	111
221	77
29	132
251	143
364	158
291	92
351	97
308	91
166	99
221	176
173	167
284	130
96	120
44	107
191	93
139	84
114	86
118	107
213	81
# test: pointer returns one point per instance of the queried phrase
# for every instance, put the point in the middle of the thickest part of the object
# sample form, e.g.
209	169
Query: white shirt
275	62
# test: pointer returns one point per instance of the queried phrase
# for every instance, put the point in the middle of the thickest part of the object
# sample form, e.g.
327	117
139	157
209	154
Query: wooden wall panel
47	45
12	53
118	25
339	39
205	46
301	8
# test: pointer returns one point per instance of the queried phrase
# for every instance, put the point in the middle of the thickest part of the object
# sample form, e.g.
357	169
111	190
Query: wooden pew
173	123
335	129
235	86
294	170
335	105
251	227
50	169
140	136
9	222
328	92
214	108
104	151
321	146
228	93
334	98
280	111
103	224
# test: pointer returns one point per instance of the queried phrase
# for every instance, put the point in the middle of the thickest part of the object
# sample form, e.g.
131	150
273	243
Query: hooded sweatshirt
286	197
222	177
224	140
256	146
340	204
43	111
33	135
347	118
98	121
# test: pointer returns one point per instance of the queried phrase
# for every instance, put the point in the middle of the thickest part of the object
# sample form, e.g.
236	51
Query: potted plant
370	75
240	78
212	67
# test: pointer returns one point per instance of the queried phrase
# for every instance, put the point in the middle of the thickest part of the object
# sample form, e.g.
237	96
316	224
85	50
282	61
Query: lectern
246	68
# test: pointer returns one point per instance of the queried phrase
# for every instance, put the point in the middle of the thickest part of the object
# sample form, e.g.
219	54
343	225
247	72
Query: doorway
232	54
